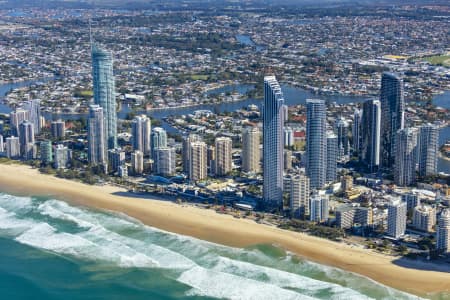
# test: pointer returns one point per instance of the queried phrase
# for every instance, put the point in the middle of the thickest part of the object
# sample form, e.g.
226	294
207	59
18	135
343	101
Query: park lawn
441	60
199	77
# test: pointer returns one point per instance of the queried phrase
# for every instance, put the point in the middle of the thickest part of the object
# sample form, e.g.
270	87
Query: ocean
54	250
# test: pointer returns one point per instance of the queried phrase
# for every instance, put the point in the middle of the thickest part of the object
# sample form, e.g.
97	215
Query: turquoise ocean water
52	250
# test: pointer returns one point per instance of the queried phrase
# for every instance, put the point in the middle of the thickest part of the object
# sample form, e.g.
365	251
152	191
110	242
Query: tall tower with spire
104	91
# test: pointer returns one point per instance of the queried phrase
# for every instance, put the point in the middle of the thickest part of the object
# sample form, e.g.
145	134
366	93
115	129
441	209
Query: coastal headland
421	279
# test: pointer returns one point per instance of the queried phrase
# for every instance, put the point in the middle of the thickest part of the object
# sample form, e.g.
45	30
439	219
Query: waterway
292	95
247	40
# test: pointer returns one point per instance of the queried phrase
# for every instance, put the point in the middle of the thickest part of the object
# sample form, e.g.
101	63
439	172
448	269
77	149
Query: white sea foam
284	279
352	279
11	224
13	203
211	270
48	209
211	283
126	251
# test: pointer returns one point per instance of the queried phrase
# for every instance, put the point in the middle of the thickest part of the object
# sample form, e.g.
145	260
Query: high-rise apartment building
46	152
165	161
12	147
62	156
319	208
137	162
392	115
405	157
96	136
316	142
187	140
198	169
158	139
396	218
141	133
104	93
371	134
341	128
424	217
250	150
223	147
443	232
299	196
428	149
332	156
356	131
26	137
273	145
58	129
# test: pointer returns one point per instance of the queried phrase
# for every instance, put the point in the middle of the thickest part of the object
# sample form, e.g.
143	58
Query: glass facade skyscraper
316	142
428	147
273	145
392	115
370	133
405	157
104	92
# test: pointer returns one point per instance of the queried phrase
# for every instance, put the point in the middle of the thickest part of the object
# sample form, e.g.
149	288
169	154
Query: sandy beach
224	229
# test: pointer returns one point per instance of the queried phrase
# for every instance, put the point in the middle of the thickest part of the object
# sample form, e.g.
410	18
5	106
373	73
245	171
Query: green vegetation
7	161
331	233
439	60
199	77
83	93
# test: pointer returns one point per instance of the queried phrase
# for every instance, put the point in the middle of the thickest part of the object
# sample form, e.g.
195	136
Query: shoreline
226	230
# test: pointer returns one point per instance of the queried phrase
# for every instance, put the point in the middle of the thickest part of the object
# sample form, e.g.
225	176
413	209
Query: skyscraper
316	142
405	157
223	147
319	208
104	92
46	152
159	139
443	232
428	148
26	137
34	108
165	160
58	129
396	218
141	132
392	115
370	134
356	131
341	130
424	217
250	150
273	120
62	156
16	118
12	147
299	195
211	159
198	169
96	136
187	140
332	156
288	136
116	159
137	162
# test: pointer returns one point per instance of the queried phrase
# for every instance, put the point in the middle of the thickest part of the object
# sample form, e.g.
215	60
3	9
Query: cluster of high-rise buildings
383	142
379	138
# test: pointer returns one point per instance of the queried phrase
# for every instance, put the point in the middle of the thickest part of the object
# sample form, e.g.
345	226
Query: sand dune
224	229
